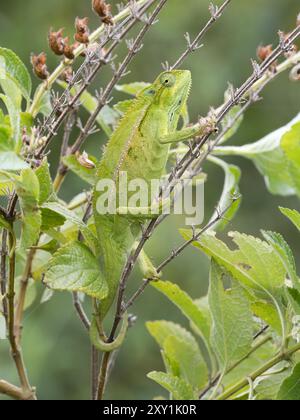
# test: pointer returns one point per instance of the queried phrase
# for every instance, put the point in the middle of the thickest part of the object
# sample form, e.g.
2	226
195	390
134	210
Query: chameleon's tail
116	241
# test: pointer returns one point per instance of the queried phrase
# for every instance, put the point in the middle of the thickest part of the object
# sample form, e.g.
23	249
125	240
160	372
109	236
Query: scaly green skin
139	146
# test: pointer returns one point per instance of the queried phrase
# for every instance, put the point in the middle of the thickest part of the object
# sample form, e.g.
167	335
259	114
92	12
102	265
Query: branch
11	391
216	13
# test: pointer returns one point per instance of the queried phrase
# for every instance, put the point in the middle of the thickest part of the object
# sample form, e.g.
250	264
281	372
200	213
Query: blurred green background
56	348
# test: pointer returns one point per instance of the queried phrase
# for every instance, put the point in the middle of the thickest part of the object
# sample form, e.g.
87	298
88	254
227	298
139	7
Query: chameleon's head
171	90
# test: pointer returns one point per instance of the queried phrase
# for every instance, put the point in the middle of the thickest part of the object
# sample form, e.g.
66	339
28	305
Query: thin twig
216	13
3	273
80	312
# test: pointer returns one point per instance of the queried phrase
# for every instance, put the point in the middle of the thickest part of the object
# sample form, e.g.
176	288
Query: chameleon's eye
168	79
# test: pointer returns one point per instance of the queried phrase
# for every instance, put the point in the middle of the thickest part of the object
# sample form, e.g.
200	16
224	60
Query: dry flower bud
102	9
56	42
295	74
40	66
264	51
82	30
69	49
85	161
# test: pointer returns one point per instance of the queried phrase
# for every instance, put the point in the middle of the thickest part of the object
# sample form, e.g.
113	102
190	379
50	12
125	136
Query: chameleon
140	147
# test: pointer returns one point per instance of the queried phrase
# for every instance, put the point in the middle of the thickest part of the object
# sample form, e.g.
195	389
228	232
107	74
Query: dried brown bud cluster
39	65
82	30
264	51
56	41
102	9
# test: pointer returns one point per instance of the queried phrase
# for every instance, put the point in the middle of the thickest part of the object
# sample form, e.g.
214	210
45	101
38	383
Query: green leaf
254	263
294	299
283	250
12	91
45	182
176	386
132	88
230	190
290	389
268	313
74	268
290	144
273	161
233	325
187	306
28	190
44	105
182	352
6	143
267	386
293	215
15	117
15	70
88	175
73	218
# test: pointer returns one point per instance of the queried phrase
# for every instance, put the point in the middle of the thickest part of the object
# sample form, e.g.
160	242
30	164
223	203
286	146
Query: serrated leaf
283	250
181	351
14	69
176	386
75	268
87	174
233	326
230	190
132	88
10	161
254	262
293	215
271	159
290	389
187	306
69	215
12	91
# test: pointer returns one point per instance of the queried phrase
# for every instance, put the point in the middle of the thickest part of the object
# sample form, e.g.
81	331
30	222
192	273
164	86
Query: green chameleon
140	147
